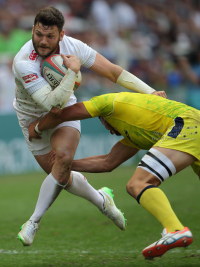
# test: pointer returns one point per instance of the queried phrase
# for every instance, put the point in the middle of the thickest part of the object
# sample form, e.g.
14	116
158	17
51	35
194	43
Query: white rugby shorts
42	146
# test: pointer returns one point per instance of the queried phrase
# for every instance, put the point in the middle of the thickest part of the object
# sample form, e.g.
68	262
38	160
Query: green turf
75	233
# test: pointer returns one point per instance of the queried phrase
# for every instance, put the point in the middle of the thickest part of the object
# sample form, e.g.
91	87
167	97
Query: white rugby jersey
28	77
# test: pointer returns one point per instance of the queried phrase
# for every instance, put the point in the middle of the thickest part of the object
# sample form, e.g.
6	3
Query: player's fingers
68	59
164	94
71	56
65	60
67	56
52	162
63	56
161	94
52	155
51	158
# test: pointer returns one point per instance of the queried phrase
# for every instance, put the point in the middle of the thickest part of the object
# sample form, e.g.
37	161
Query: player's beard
54	48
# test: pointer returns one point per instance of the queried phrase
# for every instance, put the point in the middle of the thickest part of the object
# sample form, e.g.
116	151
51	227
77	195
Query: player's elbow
114	73
109	165
112	77
108	168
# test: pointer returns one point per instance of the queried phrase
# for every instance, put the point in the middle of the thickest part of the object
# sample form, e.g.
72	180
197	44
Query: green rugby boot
110	210
27	233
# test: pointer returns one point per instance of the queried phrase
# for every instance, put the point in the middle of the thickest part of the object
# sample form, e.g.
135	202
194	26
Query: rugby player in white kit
35	97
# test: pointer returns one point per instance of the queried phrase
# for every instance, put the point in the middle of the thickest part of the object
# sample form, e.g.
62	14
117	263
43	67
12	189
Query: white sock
49	191
80	187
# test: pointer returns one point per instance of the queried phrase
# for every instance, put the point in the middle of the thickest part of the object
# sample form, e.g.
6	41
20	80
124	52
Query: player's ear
62	33
32	29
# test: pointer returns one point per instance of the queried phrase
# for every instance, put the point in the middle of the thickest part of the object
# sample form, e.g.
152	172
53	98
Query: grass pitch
74	233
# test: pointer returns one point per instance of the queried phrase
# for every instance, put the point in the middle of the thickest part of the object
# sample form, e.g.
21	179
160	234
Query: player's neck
57	51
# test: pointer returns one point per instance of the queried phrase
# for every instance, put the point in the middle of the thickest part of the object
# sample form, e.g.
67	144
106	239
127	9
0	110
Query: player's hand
72	62
160	93
52	158
31	132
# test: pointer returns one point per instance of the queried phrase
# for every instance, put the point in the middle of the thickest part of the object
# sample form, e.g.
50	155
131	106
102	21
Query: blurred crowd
156	40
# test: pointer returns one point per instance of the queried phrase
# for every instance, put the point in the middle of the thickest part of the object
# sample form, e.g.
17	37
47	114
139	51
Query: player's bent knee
64	159
129	188
132	187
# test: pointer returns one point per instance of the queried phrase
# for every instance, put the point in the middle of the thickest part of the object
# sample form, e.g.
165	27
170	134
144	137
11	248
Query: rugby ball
53	70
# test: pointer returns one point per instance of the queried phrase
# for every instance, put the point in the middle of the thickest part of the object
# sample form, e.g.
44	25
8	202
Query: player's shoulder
26	62
69	39
26	53
70	43
104	100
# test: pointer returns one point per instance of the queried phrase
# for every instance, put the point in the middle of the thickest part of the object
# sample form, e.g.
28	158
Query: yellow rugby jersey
142	119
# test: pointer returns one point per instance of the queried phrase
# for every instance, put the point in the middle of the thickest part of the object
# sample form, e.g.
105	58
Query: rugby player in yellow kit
169	130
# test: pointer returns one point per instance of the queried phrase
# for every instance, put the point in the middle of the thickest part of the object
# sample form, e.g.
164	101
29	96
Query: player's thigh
180	159
65	140
43	162
162	163
157	166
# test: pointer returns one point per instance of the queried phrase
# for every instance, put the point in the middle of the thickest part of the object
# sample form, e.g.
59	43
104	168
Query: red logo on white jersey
30	78
33	55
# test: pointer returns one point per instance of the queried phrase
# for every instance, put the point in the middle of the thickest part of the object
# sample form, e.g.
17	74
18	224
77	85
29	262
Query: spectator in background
7	85
113	16
126	32
124	16
191	73
79	8
12	38
101	13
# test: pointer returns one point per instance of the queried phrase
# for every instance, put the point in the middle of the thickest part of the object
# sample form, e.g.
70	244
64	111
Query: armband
131	82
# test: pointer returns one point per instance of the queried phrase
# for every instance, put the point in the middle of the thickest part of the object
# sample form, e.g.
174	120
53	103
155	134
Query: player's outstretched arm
51	120
105	163
122	77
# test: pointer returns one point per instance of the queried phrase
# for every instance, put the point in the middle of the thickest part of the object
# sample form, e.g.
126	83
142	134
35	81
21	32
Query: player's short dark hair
50	16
